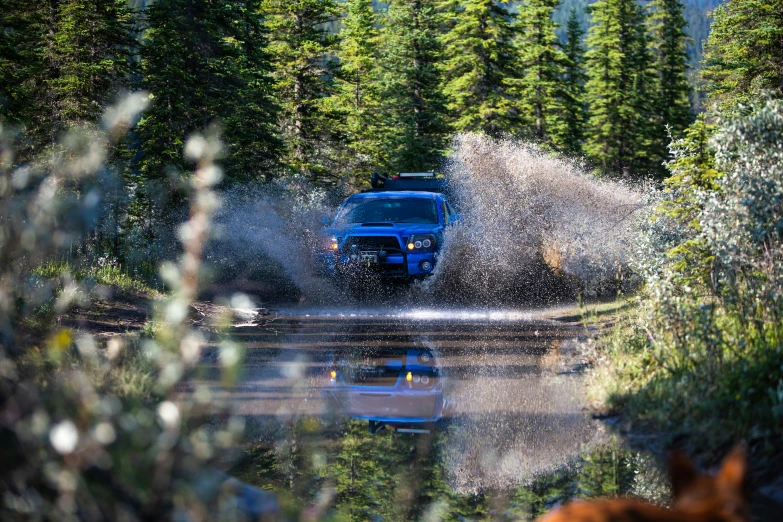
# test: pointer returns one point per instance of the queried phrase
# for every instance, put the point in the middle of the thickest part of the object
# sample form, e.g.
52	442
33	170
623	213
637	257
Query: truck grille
364	243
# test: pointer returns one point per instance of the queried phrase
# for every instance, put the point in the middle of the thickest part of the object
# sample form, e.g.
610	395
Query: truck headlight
330	244
421	242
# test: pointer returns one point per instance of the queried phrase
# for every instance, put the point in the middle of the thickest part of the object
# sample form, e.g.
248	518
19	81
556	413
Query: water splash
534	225
267	234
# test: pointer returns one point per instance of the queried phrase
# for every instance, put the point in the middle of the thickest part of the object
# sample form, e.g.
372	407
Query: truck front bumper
394	266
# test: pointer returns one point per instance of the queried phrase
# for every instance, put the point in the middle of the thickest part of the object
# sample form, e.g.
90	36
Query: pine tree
479	58
251	113
301	45
24	99
667	45
17	32
202	65
174	52
744	52
618	89
62	62
543	62
414	106
573	91
92	45
358	86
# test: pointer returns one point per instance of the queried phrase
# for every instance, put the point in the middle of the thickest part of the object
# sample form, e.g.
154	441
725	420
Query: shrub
707	353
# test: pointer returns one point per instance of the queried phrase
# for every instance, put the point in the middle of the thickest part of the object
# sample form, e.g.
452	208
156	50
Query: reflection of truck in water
398	388
394	231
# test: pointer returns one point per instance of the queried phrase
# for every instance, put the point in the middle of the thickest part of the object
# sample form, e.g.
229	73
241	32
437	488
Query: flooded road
386	415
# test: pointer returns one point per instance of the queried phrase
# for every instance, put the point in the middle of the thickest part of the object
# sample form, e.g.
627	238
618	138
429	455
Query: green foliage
414	107
98	414
667	43
104	271
744	56
675	224
21	63
402	477
358	88
201	65
250	113
707	354
479	65
300	45
619	88
574	114
61	64
542	62
91	49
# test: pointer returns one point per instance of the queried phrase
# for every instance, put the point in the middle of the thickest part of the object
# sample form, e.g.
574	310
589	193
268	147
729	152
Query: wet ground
397	415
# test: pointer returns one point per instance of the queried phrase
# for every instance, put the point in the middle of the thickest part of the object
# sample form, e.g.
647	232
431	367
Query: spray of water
535	226
267	234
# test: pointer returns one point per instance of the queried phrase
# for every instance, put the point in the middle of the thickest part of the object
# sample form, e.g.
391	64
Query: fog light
410	246
426	266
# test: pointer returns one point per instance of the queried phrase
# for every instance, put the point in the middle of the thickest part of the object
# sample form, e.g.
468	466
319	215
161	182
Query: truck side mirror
454	218
326	221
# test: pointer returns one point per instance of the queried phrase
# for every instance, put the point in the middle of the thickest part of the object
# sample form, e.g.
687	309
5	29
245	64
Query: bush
706	353
92	429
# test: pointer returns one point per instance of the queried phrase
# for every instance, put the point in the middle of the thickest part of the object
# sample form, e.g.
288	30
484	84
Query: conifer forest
193	327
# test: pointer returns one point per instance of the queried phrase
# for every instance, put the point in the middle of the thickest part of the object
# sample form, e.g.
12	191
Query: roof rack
423	181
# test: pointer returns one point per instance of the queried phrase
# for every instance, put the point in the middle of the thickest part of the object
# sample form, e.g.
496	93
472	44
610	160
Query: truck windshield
388	210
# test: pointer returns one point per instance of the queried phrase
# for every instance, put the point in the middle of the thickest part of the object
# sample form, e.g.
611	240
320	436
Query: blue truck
394	231
402	389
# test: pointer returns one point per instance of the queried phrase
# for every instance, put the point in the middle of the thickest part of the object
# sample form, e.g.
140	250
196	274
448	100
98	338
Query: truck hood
374	229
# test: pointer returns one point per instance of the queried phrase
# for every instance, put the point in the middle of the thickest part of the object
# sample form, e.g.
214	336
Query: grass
705	393
108	274
121	369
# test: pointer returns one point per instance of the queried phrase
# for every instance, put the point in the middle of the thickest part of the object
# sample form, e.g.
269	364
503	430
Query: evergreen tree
744	53
358	86
479	58
91	51
25	29
251	112
17	31
175	70
203	64
414	108
301	44
667	44
573	91
62	62
618	89
543	63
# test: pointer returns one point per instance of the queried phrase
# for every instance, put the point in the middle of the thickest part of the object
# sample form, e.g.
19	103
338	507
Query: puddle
395	476
419	416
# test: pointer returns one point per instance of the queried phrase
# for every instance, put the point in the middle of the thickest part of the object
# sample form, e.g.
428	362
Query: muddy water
425	414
